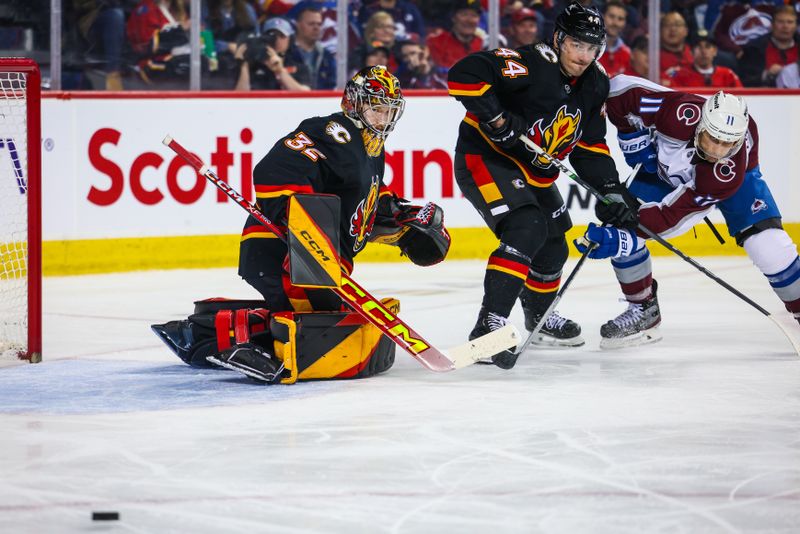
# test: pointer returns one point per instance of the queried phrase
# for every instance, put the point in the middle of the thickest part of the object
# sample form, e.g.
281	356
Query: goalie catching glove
418	231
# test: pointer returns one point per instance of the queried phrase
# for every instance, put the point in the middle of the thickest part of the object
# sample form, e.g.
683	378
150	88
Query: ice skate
556	332
638	325
489	322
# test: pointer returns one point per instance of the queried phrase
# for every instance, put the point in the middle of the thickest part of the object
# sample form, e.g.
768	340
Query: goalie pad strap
222	326
241	329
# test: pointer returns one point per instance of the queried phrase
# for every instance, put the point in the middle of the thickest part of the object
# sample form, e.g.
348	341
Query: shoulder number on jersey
506	52
513	68
301	143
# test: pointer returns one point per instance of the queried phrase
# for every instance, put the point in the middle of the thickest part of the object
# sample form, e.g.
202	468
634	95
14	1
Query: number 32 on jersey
513	68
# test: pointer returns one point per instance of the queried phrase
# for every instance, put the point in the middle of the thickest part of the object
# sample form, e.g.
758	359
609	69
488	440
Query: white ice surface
697	433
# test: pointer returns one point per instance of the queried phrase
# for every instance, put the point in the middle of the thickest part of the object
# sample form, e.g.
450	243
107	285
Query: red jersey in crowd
616	61
446	49
145	20
776	56
691	77
670	60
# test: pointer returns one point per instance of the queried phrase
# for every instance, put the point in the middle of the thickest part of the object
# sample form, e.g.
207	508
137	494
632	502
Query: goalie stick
368	306
663	242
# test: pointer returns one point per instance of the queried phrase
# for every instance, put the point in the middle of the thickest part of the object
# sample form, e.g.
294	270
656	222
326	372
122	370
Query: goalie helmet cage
20	210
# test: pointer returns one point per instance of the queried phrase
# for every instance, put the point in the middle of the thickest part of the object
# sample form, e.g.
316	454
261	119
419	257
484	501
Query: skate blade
644	337
549	342
252	373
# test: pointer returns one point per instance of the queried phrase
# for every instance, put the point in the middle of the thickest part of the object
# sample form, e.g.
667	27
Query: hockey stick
546	314
655	237
368	306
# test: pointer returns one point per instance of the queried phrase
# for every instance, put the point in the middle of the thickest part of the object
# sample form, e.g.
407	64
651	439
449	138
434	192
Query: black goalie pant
530	223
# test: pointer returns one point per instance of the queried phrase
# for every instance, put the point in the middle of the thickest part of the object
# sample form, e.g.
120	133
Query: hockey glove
418	231
620	209
638	147
609	242
507	135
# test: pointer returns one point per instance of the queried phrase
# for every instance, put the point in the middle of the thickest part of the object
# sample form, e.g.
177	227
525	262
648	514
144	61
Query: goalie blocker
283	347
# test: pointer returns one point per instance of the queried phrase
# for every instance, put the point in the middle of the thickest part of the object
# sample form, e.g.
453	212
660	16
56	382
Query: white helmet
725	118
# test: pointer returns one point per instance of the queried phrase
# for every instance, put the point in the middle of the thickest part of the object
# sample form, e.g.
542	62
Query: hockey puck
105	516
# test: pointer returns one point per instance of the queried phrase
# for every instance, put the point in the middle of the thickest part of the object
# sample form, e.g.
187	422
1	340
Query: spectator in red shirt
149	17
703	72
639	63
157	33
462	39
617	55
524	28
674	50
765	57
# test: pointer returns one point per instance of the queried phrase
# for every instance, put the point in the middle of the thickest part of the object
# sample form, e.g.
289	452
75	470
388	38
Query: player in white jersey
696	155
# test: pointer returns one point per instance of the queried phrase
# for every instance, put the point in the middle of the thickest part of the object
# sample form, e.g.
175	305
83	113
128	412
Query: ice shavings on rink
92	387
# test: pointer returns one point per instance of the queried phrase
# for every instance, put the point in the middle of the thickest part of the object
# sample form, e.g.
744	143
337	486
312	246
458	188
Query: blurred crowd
292	44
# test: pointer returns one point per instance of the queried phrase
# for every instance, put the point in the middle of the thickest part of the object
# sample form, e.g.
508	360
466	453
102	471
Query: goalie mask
583	24
724	120
374	101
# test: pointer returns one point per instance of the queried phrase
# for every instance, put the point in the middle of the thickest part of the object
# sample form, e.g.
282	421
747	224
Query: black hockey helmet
582	23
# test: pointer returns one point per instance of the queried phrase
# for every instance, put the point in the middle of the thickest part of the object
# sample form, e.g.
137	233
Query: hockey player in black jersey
555	94
339	155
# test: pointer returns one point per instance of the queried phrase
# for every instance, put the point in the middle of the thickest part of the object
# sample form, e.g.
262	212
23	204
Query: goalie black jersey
323	155
567	115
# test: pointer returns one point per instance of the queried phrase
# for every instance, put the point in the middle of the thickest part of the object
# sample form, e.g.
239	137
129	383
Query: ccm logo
314	246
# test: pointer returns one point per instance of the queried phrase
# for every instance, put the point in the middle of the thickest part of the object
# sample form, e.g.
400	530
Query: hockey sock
539	292
505	276
635	275
775	255
786	284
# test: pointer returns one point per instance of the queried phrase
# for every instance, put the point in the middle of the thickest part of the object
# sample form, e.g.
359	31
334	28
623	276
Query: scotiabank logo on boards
108	189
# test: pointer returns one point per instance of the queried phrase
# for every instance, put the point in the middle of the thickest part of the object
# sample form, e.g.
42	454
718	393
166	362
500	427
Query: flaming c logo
557	138
364	217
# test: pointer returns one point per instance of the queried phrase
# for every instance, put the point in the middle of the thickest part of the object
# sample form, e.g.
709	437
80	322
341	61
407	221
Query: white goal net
14	253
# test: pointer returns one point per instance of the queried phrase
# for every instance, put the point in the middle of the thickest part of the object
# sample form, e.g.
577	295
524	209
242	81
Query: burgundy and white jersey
673	116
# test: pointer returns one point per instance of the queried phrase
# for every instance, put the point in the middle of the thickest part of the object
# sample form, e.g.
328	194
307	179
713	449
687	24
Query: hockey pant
753	220
311	345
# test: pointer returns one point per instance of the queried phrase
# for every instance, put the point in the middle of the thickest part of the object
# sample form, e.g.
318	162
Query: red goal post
20	210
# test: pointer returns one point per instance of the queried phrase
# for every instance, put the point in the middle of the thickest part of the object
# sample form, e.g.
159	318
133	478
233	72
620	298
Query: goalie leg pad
328	345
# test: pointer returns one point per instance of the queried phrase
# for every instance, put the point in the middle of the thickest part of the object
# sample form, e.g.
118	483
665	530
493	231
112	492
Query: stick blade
789	327
485	346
